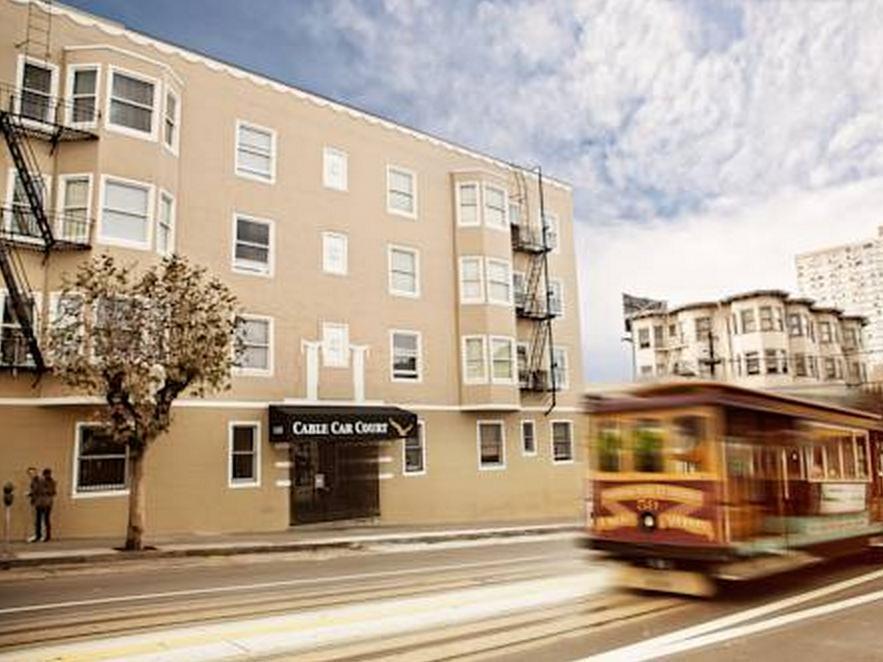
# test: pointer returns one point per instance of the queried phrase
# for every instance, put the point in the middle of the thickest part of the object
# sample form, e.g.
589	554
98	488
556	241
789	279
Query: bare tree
139	339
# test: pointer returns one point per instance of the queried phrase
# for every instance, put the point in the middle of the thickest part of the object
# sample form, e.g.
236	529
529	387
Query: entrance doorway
333	480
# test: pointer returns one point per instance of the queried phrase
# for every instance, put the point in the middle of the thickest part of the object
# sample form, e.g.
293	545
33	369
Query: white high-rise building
849	277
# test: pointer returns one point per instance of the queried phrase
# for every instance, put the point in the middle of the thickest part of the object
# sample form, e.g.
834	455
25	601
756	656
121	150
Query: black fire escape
26	223
534	299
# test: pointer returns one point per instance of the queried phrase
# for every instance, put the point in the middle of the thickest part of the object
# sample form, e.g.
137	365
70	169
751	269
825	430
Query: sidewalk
301	539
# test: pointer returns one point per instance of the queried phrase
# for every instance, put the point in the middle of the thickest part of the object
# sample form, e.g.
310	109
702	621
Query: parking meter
8	498
8	494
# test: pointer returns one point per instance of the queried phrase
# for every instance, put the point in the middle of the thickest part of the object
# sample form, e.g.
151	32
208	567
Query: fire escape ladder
29	177
21	301
38	31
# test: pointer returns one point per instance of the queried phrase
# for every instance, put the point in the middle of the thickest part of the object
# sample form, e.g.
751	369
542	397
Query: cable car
691	483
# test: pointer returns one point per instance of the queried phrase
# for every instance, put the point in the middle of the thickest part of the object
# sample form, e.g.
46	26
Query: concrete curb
358	542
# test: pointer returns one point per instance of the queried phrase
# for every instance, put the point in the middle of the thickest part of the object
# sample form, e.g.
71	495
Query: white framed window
528	437
475	360
38	89
244	454
519	296
556	301
82	90
126	210
496	206
335	345
491	445
255	152
401	191
255	355
467	205
74	207
18	219
521	364
165	224
131	103
562	441
253	241
553	232
335	169
405	349
502	360
100	464
335	255
404	271
171	120
68	309
560	366
471	280
14	350
499	281
414	452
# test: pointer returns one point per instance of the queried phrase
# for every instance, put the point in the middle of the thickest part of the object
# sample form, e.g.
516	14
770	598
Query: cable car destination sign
289	423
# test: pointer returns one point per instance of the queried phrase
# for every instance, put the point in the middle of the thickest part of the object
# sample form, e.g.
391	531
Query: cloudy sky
707	141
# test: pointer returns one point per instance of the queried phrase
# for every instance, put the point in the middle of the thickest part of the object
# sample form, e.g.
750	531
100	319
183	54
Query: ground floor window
562	441
244	463
528	438
414	449
100	463
491	451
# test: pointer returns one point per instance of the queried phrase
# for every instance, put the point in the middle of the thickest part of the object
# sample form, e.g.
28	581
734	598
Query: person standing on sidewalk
45	497
33	488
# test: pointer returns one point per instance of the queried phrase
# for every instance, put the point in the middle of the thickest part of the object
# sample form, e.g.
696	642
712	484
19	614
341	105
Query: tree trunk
137	505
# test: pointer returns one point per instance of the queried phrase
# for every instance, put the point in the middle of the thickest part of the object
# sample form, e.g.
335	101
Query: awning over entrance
301	423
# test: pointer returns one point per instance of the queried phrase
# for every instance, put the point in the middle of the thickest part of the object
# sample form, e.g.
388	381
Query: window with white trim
559	365
519	296
14	350
491	445
521	364
68	310
255	351
252	245
552	231
131	103
495	207
404	271
414	452
38	85
171	114
499	281
334	253
405	355
18	218
401	191
244	448
335	169
125	213
528	438
471	280
475	359
467	205
335	345
556	303
101	462
76	193
502	360
255	152
83	91
165	225
562	441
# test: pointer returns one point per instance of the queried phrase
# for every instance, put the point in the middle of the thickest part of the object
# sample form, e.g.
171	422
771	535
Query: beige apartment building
407	359
760	339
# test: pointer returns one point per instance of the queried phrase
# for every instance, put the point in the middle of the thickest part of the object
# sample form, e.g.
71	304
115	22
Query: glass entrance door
333	480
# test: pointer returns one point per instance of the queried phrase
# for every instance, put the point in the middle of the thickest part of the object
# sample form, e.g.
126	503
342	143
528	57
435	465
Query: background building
763	338
849	277
377	266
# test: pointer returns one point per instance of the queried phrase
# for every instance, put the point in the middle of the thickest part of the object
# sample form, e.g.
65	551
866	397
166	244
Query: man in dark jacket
43	503
33	488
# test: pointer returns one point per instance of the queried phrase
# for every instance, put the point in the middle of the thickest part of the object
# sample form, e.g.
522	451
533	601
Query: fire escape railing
27	222
534	300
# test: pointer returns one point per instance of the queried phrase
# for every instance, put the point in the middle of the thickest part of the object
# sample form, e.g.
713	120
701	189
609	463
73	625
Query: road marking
305	631
779	621
649	649
274	584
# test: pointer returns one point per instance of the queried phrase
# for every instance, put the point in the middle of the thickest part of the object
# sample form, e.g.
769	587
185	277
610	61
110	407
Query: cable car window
648	446
816	462
861	449
609	447
847	444
689	433
832	459
793	465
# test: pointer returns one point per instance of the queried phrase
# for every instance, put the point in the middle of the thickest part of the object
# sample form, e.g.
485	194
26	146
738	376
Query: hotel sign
289	423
